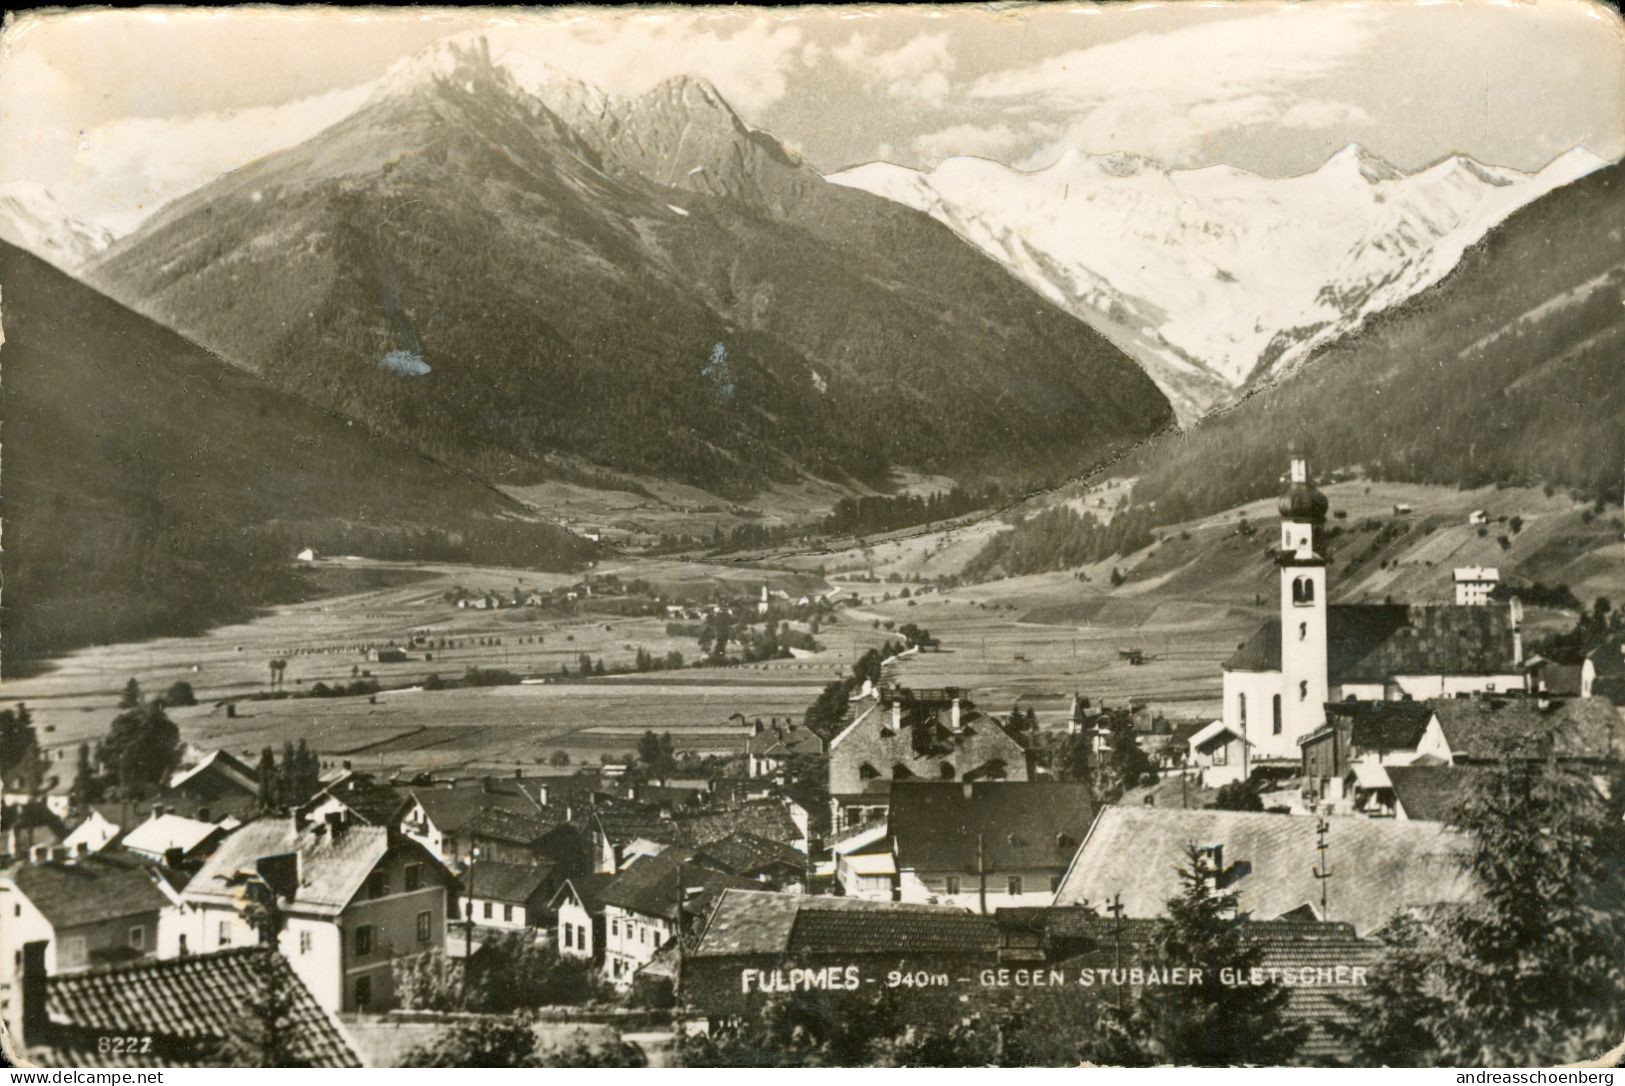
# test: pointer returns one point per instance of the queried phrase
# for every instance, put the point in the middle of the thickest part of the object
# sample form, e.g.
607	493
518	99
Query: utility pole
981	871
468	923
1322	874
1116	909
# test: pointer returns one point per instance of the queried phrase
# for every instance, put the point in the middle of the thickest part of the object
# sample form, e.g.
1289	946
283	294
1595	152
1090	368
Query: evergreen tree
142	748
21	764
87	786
1210	1023
270	783
1533	970
131	698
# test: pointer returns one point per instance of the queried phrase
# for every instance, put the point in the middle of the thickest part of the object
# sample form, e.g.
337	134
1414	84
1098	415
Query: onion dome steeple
1301	500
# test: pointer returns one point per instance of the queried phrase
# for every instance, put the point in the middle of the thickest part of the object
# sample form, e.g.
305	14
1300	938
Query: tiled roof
1370	642
331	869
748	854
374	803
451	808
621	824
101	886
918	744
503	825
1429	793
650	885
765	818
1021	824
1380	866
781	742
768	923
1383	725
1487	728
189	1006
514	883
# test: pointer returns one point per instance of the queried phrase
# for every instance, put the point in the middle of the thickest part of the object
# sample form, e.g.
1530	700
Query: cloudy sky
118	111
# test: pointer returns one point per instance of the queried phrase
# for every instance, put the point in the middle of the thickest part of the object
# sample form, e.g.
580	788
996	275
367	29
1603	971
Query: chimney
954	714
967	789
335	824
173	857
58	854
38	854
756	728
1515	609
82	848
157	810
35	1020
896	714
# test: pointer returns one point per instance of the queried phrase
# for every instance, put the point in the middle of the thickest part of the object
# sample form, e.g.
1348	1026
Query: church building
1278	682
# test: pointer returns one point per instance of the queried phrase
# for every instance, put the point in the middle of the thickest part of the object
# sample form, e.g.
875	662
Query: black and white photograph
963	536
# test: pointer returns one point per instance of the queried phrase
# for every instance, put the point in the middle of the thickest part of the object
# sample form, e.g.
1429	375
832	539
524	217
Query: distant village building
771	747
307	555
387	655
1474	585
580	917
168	838
1277	684
654	899
506	895
216	787
931	735
353	898
986	844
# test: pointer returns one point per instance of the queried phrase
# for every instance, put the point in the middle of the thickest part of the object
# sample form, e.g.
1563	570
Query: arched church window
1303	591
1241	709
1303	691
1276	707
1303	631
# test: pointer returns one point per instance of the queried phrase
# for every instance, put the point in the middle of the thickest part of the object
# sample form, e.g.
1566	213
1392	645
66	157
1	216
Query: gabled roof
1207	734
374	803
189	1006
451	808
1382	866
586	889
220	765
1488	728
1383	725
331	869
497	824
1371	642
651	885
514	883
104	885
1019	824
781	741
1429	793
156	836
749	854
775	924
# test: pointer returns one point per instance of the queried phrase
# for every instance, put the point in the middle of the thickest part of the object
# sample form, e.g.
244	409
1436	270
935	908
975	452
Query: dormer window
900	772
946	771
868	772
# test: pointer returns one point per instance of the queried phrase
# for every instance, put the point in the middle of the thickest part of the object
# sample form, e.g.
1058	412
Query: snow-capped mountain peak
1217	278
32	218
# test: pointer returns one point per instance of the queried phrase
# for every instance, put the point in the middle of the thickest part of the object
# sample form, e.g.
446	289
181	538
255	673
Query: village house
85	910
507	895
642	911
985	844
361	799
1372	733
771	747
1490	729
179	842
183	1012
1379	867
95	831
437	815
1474	584
216	787
902	734
1429	793
25	827
1219	754
775	864
580	910
1279	681
353	898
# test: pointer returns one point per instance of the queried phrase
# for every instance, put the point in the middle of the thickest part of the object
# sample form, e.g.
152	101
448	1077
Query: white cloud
628	52
126	169
1165	94
994	141
917	71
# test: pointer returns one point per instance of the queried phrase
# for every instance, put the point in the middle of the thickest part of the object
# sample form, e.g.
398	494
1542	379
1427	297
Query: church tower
1304	685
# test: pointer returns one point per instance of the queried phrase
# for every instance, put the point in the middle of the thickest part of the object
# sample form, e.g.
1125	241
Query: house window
868	772
615	928
414	876
900	772
945	771
487	910
1221	754
224	932
507	912
569	936
424	926
304	942
1275	710
1303	690
1241	709
1013	886
378	884
581	936
950	885
138	938
363	993
363	940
